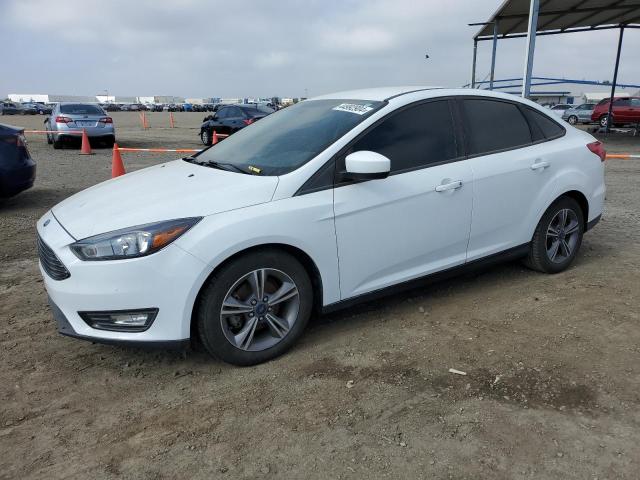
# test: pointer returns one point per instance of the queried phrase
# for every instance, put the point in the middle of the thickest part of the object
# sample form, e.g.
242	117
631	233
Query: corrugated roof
561	16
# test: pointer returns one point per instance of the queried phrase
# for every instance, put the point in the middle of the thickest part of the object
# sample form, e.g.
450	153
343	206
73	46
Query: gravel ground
551	391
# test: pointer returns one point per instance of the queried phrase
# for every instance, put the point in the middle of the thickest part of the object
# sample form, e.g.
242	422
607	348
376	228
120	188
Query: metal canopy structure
560	16
529	18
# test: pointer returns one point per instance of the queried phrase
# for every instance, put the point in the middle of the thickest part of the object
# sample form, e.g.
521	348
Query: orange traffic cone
171	121
117	167
85	149
214	138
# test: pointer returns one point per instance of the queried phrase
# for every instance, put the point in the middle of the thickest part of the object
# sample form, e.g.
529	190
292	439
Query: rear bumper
15	181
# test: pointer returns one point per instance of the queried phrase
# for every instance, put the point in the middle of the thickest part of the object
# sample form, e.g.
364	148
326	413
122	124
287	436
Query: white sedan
332	201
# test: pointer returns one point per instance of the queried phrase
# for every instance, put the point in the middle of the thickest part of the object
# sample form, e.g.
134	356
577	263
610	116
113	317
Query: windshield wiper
214	164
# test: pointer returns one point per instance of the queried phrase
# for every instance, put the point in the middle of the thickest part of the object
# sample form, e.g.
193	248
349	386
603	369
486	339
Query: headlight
132	242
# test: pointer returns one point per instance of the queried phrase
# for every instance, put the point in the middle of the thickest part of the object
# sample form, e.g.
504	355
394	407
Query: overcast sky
203	48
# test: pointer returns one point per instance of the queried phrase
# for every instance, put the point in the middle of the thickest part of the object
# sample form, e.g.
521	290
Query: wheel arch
582	201
300	255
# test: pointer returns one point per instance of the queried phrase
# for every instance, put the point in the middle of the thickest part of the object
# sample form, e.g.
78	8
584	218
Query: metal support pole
615	80
473	65
493	53
531	47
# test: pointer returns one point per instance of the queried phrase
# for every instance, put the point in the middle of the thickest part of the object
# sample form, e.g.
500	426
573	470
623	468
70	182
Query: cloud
250	47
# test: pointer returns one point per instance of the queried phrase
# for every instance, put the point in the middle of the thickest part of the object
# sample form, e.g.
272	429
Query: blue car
17	168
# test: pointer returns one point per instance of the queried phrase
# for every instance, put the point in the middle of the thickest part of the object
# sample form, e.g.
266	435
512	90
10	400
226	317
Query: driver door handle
449	186
539	165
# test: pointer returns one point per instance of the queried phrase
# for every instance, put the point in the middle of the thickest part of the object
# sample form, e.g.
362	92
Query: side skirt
479	264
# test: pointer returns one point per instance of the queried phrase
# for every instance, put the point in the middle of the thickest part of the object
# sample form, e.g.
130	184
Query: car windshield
80	109
289	138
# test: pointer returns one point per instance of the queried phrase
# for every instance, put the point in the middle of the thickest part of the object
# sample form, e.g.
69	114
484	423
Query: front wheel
572	120
557	237
255	308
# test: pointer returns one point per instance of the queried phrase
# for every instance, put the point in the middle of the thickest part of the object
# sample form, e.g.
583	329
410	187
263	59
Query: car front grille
50	262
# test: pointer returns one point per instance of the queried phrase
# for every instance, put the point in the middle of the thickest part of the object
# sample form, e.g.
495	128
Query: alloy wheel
563	235
260	309
573	119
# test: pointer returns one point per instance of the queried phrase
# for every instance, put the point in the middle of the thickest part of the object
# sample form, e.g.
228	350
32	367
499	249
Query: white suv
324	203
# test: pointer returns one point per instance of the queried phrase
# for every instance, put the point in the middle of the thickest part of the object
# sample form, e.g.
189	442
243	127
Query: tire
603	120
551	226
49	140
572	119
247	337
57	142
109	142
206	137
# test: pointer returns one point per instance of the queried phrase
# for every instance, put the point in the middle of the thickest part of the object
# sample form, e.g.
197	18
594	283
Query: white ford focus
330	201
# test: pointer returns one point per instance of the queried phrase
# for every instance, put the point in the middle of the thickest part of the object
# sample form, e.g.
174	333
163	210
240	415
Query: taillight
598	149
106	120
249	121
62	119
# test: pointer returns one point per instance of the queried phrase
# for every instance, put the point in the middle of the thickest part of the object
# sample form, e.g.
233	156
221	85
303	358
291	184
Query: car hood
172	190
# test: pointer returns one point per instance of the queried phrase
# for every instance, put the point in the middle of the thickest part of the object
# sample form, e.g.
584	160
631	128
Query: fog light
121	320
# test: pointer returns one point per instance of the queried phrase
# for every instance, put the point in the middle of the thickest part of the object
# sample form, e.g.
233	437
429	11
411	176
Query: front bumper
168	280
65	328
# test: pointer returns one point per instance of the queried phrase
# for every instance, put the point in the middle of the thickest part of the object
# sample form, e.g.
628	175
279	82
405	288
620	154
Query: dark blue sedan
17	168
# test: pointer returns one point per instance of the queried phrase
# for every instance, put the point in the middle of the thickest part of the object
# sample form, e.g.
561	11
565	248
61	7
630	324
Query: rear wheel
49	140
109	142
603	120
205	135
57	142
572	119
557	237
255	308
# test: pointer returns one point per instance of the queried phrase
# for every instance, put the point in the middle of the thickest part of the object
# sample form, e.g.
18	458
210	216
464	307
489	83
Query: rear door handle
449	186
539	165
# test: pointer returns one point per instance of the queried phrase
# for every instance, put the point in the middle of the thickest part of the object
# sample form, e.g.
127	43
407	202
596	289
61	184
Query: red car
625	110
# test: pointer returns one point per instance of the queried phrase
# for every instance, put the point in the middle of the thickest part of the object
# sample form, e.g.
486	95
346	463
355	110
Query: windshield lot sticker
353	108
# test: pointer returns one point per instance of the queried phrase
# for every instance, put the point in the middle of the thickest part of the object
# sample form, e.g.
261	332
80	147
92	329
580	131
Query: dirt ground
552	387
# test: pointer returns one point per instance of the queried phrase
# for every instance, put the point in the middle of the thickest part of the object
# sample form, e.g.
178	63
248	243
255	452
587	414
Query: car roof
425	92
376	94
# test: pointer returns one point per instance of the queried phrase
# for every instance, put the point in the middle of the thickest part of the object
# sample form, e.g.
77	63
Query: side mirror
366	165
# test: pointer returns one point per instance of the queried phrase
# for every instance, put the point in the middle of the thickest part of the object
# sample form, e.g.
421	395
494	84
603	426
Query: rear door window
635	102
622	102
492	125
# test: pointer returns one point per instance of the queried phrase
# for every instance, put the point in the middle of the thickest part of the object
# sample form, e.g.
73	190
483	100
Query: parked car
326	203
43	109
17	168
579	114
625	110
112	107
9	108
561	108
231	118
28	109
69	119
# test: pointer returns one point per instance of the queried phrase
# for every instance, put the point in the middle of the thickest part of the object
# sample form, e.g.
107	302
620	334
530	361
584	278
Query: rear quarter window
543	127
